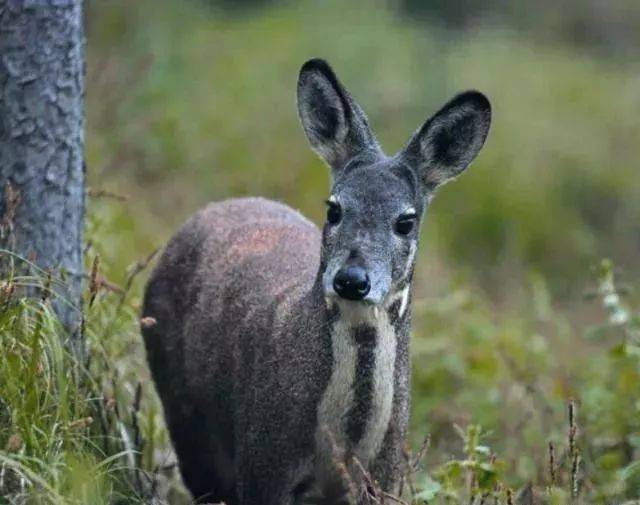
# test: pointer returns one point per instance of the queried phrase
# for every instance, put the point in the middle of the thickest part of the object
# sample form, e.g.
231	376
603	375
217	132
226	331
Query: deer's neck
357	404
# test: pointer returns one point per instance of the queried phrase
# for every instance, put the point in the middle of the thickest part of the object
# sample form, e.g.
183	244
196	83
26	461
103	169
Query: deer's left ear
449	141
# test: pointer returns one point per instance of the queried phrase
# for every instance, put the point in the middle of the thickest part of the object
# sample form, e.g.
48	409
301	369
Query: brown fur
211	345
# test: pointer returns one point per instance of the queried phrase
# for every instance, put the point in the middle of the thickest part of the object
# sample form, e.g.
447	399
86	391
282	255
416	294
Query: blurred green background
195	101
192	101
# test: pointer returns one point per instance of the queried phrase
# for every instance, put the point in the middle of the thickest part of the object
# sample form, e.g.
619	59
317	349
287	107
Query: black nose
352	283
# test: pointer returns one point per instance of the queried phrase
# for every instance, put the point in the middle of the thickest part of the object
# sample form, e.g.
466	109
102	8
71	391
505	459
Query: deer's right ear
449	141
335	125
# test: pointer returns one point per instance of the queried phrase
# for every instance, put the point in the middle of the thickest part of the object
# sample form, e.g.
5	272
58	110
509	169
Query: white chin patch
357	312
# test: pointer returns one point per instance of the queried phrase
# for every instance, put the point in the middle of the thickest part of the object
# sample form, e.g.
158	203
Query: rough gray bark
42	138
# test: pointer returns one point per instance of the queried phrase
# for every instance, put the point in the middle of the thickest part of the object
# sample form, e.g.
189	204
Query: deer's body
232	439
280	353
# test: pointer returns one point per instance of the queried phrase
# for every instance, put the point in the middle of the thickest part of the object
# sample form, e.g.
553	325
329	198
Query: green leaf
483	449
630	470
430	489
487	475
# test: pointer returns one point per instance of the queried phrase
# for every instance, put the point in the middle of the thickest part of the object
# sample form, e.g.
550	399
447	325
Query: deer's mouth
373	298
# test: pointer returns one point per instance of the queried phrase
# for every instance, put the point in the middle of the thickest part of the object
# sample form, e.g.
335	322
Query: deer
280	352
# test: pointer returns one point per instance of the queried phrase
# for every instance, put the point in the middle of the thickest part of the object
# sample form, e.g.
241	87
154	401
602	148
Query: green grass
74	430
515	376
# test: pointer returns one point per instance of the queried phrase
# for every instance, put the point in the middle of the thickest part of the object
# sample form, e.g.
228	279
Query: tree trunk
42	198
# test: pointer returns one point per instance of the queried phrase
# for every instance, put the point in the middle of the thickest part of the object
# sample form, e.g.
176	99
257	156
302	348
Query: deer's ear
335	125
450	140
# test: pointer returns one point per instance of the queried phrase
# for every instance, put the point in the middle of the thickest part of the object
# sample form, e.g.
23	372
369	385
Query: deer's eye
405	223
334	213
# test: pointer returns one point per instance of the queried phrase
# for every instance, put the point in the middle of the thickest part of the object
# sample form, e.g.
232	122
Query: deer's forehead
375	188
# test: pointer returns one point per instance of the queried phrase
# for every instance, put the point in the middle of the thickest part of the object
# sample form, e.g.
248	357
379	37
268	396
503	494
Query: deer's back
232	270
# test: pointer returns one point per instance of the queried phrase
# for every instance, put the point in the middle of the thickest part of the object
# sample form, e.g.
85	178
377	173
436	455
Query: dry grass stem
103	193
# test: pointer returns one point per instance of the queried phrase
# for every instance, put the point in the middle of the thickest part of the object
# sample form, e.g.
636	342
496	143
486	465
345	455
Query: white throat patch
338	398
